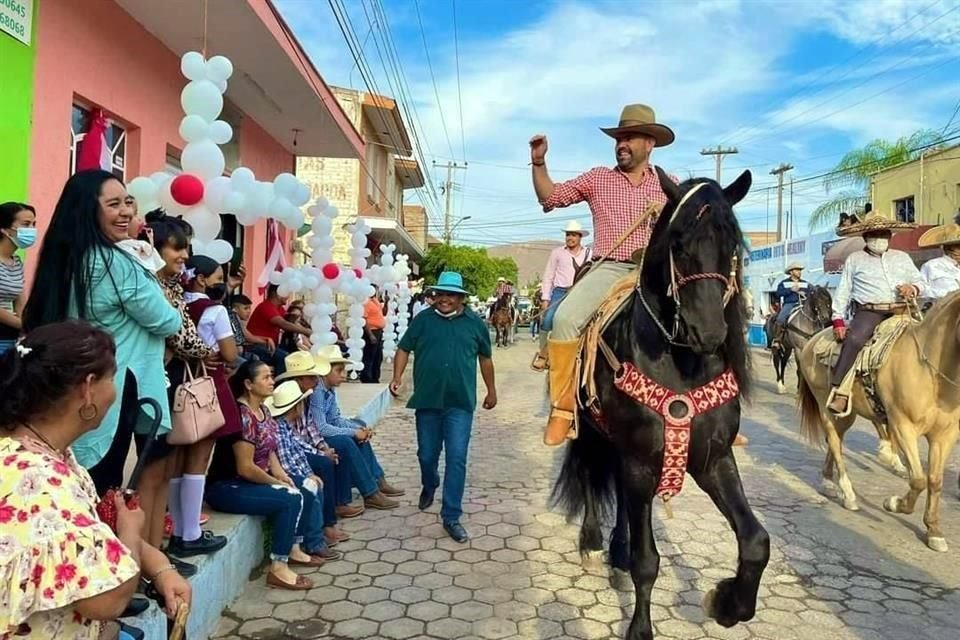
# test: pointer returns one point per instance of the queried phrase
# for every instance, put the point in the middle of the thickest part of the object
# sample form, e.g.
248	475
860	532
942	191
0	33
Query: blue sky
795	81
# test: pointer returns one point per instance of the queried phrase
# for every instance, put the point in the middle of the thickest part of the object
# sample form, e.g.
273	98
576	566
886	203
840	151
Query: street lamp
461	220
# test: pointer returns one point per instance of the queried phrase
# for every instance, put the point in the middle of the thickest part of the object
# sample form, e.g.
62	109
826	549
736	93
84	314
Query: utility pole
447	191
718	154
793	214
779	171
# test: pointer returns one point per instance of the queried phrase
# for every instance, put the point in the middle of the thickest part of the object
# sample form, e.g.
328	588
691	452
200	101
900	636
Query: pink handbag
196	409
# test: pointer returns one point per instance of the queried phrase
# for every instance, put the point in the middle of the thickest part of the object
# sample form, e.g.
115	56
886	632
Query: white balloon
221	86
193	128
202	98
261	198
193	66
219	68
220	132
199	246
219	250
203	159
322	225
279	208
310	309
244	217
285	185
143	190
328	338
331	212
160	177
205	223
311	282
242	179
322	203
302	194
283	290
275	277
215	193
294	219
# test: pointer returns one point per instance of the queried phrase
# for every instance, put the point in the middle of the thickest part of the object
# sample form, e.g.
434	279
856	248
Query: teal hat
450	281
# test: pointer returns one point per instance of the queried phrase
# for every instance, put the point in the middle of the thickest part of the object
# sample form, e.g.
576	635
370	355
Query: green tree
849	181
479	270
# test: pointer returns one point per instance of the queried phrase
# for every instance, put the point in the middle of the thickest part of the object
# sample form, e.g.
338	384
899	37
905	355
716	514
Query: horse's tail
811	421
587	472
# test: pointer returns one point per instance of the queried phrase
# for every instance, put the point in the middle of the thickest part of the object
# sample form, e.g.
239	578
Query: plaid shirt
308	435
291	451
615	203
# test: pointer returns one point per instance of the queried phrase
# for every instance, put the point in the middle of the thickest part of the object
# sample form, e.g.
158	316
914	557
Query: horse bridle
678	279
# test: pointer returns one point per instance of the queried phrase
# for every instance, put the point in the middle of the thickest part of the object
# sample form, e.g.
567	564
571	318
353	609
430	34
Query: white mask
878	245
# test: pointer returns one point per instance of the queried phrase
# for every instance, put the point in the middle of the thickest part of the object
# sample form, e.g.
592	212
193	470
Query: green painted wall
16	105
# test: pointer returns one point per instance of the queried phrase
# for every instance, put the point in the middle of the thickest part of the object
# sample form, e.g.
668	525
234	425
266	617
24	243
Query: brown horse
502	319
918	387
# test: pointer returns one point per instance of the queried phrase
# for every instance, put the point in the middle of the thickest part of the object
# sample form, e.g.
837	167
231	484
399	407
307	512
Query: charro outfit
941	275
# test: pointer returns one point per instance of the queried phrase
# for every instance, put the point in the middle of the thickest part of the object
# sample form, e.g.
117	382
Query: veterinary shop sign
16	19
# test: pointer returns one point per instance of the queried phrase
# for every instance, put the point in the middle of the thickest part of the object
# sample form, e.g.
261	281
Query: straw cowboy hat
874	222
301	364
285	397
639	118
941	236
330	355
451	282
793	266
575	227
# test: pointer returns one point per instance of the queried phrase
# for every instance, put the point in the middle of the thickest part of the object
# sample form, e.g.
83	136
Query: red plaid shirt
615	204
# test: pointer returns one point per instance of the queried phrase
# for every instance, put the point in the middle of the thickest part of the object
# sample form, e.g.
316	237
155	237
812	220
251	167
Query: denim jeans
335	477
277	359
310	530
281	506
436	429
361	461
556	295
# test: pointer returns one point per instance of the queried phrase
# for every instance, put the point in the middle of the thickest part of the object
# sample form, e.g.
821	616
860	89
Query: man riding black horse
789	294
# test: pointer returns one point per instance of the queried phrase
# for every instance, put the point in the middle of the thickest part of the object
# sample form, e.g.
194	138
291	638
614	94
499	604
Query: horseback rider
558	276
789	292
942	275
876	283
617	197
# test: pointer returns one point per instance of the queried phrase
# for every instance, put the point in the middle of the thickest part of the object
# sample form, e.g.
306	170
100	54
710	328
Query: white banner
16	18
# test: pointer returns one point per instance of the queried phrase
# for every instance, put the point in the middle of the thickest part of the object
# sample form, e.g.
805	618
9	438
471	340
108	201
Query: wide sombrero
874	222
940	236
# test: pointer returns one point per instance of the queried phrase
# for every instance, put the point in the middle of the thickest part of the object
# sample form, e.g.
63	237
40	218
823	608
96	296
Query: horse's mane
688	231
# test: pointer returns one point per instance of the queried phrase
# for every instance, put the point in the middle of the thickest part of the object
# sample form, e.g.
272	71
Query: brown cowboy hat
873	221
941	236
639	118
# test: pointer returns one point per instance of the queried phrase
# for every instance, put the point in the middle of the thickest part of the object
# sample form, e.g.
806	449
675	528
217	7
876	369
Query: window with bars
904	209
116	140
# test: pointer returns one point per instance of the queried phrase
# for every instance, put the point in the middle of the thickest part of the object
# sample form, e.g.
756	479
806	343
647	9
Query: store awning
385	231
903	241
274	81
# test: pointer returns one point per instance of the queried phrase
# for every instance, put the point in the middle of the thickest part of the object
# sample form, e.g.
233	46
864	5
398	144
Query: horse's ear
736	191
669	186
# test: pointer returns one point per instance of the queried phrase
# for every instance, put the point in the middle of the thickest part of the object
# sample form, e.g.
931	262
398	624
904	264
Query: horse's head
820	306
693	261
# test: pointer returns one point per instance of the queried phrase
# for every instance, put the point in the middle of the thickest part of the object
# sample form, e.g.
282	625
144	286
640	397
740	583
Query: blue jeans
6	345
785	311
361	461
277	359
336	478
556	295
310	530
279	505
436	429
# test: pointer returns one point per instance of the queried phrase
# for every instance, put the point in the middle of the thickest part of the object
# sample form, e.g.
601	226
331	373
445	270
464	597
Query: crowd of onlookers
120	312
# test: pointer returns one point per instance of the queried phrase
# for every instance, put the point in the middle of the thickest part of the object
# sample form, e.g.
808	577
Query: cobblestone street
833	574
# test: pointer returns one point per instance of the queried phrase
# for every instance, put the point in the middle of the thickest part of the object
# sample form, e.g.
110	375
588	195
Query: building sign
826	246
797	246
16	19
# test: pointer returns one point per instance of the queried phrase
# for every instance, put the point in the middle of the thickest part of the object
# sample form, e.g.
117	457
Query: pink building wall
95	52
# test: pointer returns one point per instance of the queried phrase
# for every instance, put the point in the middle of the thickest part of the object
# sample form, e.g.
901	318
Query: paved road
833	574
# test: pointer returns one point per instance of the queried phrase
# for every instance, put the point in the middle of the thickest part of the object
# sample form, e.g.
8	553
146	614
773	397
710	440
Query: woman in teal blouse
82	274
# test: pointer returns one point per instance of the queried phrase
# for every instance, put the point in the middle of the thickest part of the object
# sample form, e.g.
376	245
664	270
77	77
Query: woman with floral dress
64	574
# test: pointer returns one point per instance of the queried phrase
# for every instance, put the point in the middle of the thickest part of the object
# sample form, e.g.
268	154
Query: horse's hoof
937	543
828	488
892	504
851	505
621	580
592	561
781	389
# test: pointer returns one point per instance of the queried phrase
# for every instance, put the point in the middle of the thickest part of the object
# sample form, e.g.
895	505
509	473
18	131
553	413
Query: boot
778	335
380	502
389	490
838	404
563	359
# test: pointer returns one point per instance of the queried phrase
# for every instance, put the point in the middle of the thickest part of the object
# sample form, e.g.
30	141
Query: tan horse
919	386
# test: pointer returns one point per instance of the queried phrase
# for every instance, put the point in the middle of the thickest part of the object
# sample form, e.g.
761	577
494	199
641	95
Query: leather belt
887	307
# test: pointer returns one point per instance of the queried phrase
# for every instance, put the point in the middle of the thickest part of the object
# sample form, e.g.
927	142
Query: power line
456	48
433	78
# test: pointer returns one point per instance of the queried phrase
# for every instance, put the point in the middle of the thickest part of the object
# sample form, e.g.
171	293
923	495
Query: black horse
683	330
816	311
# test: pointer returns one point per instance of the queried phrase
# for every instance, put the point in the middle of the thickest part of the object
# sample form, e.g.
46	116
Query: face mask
217	291
878	245
24	237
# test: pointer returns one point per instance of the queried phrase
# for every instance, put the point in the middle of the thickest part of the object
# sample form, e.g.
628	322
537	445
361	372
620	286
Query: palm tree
850	179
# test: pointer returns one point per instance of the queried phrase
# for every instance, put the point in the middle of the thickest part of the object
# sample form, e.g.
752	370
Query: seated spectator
287	407
18	231
65	573
324	460
267	321
293	341
348	437
246	477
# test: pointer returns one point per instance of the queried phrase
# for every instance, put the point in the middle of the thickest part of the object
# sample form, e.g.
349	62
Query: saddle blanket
873	354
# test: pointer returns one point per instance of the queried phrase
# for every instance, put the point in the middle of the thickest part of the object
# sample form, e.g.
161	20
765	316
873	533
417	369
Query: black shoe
135	607
426	500
456	531
185	569
207	543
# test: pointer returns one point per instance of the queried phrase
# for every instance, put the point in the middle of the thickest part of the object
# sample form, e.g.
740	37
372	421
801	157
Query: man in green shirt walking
448	340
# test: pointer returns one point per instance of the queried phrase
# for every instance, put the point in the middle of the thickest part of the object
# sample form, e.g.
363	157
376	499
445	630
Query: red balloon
330	271
187	189
358	271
